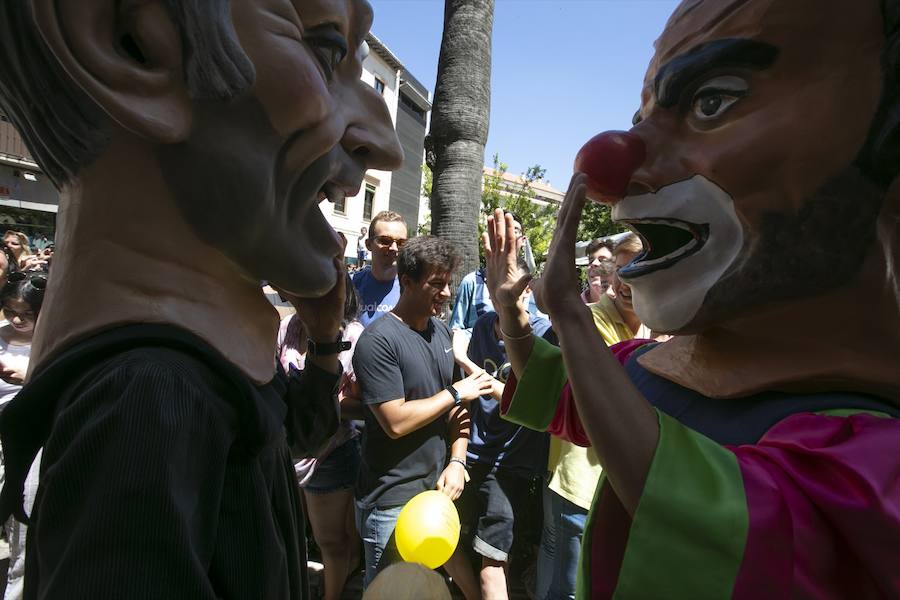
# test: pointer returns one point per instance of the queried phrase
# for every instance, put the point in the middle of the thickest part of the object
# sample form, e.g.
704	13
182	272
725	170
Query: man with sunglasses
378	286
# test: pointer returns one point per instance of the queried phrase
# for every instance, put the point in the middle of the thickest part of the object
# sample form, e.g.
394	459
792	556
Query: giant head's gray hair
62	127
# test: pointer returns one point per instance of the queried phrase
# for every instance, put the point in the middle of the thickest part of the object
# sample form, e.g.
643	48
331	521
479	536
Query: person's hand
12	375
452	480
32	262
466	365
474	386
557	291
322	316
501	250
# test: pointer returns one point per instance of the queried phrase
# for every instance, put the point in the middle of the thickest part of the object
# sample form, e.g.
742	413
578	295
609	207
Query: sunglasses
37	280
386	241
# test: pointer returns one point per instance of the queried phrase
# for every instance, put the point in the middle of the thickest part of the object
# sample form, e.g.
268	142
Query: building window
379	86
340	206
417	113
370	200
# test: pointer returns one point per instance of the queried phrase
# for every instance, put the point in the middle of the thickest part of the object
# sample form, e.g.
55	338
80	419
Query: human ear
127	57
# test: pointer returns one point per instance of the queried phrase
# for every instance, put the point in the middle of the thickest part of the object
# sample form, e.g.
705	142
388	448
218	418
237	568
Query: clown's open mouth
666	241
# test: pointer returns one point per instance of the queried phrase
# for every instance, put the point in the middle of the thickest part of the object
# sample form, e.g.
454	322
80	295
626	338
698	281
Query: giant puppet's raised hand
621	425
556	292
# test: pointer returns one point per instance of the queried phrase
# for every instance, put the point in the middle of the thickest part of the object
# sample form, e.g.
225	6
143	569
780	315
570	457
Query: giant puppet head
254	110
768	133
761	173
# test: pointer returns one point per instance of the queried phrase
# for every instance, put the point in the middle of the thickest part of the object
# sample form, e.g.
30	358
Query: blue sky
563	70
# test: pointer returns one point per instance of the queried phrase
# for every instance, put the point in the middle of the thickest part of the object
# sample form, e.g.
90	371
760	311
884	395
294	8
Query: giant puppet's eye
713	98
329	47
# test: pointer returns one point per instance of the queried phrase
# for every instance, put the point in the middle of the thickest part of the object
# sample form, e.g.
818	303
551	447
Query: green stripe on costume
688	535
583	581
849	412
537	393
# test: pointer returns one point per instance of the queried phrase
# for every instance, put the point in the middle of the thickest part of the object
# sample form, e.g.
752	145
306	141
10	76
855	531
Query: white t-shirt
12	356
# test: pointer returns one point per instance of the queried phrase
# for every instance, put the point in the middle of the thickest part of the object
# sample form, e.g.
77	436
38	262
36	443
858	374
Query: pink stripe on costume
823	497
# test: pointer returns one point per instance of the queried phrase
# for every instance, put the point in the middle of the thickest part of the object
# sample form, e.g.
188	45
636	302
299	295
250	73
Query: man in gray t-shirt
405	371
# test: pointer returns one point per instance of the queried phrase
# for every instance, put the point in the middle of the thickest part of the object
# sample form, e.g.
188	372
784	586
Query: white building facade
409	104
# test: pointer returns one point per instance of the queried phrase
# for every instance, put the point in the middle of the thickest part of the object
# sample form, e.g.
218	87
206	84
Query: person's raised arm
506	284
313	411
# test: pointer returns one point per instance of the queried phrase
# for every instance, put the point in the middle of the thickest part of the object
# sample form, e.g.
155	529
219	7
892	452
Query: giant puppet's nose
609	159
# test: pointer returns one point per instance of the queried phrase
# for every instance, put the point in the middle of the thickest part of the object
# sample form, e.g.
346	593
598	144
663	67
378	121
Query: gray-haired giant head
254	108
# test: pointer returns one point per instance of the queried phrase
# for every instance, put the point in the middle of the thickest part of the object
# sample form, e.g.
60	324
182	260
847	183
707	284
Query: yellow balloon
427	529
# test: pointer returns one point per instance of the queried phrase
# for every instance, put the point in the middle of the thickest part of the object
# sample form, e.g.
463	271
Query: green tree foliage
427	180
596	222
538	220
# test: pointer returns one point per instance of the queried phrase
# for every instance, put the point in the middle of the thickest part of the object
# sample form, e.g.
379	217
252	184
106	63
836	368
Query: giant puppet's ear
127	57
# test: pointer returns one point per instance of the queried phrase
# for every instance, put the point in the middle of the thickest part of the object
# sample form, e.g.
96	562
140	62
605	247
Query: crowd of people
23	279
420	399
166	422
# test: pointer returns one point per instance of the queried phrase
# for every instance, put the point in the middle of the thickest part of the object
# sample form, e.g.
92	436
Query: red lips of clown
609	159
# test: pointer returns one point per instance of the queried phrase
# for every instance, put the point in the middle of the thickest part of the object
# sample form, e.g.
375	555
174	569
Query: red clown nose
609	160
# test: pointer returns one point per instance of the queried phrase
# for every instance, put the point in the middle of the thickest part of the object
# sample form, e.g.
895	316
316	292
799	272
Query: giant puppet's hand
323	316
556	292
620	424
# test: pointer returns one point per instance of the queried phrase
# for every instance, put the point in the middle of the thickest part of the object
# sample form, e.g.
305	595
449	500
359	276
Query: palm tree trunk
459	126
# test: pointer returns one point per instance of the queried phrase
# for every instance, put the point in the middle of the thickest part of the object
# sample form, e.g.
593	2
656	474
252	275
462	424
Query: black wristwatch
314	349
457	401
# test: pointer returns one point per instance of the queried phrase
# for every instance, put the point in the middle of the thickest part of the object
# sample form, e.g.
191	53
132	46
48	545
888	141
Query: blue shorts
338	471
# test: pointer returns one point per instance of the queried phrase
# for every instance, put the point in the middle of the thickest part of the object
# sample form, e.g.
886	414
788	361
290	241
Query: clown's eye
716	96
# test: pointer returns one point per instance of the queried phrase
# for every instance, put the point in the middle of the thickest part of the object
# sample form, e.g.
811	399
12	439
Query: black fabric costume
166	473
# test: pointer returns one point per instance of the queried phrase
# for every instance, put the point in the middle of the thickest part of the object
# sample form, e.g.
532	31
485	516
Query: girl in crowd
21	298
328	479
17	242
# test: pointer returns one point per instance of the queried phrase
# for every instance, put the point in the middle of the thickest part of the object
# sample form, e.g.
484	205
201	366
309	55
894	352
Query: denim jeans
557	567
376	527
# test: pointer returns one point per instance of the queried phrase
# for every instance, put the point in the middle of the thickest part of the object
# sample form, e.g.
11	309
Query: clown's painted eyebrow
674	76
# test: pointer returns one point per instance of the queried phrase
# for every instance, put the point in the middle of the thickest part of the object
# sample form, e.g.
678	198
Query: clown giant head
770	131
